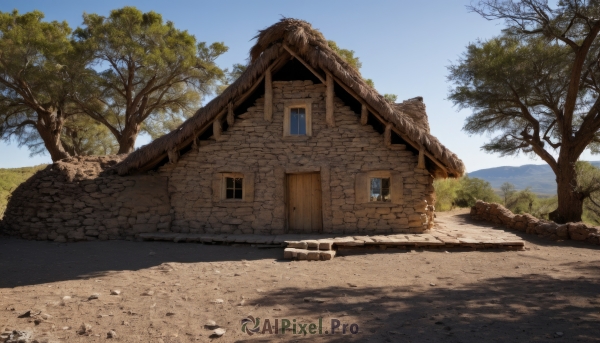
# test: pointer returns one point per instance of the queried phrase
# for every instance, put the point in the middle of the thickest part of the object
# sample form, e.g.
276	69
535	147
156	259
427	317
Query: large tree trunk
127	139
49	125
570	202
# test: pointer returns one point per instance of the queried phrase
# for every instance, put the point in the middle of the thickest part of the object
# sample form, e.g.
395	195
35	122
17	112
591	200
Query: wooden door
304	203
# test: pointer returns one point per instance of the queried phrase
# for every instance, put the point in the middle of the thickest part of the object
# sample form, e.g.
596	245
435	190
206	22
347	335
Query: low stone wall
499	214
80	199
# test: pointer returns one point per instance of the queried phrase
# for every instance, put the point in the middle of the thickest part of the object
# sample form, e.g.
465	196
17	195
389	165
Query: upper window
380	189
234	188
297	121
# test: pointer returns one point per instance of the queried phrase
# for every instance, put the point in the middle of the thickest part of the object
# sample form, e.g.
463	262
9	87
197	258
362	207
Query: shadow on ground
25	262
530	308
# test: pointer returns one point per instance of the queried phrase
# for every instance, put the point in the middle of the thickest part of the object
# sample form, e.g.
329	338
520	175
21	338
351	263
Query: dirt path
548	291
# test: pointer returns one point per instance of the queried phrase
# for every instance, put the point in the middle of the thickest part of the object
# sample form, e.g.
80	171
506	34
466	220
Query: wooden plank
316	214
364	115
308	66
329	105
268	96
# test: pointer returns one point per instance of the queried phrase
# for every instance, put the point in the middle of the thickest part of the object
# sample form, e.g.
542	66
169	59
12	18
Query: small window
298	121
380	189
233	187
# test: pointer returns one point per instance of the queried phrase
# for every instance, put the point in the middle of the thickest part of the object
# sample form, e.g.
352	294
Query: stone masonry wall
75	200
499	214
258	149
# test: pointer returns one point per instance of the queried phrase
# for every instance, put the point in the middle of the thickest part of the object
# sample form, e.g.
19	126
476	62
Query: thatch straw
310	45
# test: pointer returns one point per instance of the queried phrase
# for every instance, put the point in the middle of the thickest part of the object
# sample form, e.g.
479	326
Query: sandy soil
550	291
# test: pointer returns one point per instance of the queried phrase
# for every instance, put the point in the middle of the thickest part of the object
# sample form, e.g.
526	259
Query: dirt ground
550	291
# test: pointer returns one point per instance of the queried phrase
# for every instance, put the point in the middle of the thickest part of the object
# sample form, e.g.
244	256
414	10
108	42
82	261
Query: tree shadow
531	308
24	262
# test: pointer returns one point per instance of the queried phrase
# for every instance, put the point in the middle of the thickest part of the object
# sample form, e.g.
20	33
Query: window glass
233	187
380	189
297	121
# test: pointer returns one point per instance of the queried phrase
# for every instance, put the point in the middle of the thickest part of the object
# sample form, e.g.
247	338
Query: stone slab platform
323	247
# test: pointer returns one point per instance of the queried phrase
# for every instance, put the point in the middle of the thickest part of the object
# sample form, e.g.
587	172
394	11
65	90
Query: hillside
10	179
539	177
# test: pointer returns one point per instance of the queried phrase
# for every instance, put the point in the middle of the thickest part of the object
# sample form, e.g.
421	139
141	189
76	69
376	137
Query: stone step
310	255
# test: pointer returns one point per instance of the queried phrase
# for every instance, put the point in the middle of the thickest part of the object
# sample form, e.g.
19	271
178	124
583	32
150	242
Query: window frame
389	189
224	177
297	103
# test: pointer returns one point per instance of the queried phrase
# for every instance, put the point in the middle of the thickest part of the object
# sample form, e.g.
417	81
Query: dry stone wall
75	199
499	214
257	148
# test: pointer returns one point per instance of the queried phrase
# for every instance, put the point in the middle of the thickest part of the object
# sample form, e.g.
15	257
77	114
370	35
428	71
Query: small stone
111	334
558	334
45	316
218	332
37	321
352	285
25	314
169	314
66	327
148	293
211	324
217	301
125	323
85	328
94	296
236	274
242	302
314	300
432	284
115	292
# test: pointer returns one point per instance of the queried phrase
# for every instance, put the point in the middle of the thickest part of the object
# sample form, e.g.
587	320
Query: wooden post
421	163
329	102
268	96
364	115
217	128
387	135
173	155
230	117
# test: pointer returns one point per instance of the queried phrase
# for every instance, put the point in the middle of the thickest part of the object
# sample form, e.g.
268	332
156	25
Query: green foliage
508	190
521	201
10	179
153	71
588	184
462	193
445	192
231	76
473	189
390	97
83	136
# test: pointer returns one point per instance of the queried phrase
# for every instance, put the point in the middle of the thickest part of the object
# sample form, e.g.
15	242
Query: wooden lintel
268	95
364	115
329	104
308	66
384	122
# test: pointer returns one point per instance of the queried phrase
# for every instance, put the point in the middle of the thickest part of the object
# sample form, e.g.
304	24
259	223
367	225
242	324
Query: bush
462	193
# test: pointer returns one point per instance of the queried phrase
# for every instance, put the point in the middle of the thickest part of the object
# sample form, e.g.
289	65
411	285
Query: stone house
298	144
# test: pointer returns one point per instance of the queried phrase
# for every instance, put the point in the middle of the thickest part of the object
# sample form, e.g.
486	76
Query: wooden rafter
308	66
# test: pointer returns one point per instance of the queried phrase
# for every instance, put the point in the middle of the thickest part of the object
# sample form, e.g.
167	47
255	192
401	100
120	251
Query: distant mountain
539	177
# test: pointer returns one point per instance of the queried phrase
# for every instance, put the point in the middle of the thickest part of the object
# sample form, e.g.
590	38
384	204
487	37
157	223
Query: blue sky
404	46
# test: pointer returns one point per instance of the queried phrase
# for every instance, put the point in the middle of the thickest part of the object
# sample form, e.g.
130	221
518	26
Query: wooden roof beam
308	66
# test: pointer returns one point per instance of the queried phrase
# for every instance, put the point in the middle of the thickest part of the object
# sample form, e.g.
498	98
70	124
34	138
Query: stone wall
75	199
499	214
258	148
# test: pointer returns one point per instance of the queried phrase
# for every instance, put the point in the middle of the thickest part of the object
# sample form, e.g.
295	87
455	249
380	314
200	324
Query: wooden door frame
287	196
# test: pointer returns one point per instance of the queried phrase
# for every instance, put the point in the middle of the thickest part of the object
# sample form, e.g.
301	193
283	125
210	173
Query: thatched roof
408	118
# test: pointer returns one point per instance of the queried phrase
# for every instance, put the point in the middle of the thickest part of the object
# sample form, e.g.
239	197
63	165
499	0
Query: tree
83	136
152	69
588	184
39	70
508	190
473	189
231	76
536	87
